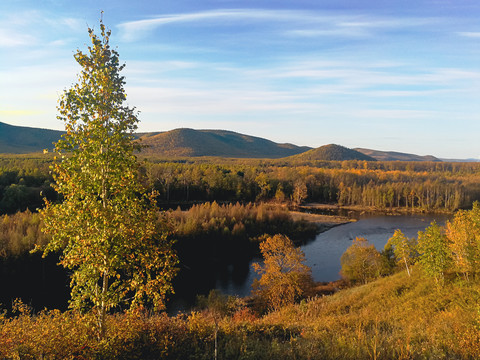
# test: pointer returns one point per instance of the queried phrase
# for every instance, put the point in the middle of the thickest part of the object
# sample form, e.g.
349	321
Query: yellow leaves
361	262
284	276
463	233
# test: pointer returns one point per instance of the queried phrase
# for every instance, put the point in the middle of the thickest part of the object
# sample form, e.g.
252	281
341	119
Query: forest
417	186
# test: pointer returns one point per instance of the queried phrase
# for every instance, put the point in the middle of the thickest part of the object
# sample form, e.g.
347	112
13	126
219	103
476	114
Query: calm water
44	284
324	252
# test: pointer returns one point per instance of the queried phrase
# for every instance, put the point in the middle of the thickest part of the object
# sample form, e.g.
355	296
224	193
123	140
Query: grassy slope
394	317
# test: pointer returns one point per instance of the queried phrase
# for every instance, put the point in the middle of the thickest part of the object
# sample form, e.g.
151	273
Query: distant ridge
196	143
332	152
395	156
24	140
461	160
190	142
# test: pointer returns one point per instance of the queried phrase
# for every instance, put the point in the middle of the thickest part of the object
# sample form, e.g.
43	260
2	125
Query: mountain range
195	143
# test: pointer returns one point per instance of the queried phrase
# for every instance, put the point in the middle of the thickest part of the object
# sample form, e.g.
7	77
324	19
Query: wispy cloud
12	38
35	28
318	87
469	34
302	23
335	32
135	29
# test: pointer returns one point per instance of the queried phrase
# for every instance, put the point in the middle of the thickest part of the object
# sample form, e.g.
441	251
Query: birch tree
107	233
463	233
434	252
403	249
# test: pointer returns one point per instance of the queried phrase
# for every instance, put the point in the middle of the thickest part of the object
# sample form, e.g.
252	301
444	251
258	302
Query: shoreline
371	209
323	222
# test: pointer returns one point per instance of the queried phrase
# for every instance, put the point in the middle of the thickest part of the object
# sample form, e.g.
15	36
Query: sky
381	74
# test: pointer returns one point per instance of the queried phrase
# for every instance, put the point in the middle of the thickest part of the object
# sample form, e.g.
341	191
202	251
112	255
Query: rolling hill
332	152
189	142
395	156
196	143
24	140
174	143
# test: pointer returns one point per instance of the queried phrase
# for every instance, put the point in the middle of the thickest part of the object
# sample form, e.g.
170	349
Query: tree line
429	186
418	186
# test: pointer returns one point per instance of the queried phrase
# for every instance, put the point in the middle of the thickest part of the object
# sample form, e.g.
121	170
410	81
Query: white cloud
469	34
303	23
134	29
72	23
35	28
335	32
11	38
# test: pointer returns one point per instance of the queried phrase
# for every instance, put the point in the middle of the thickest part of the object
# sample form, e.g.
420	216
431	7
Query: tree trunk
406	265
216	341
103	308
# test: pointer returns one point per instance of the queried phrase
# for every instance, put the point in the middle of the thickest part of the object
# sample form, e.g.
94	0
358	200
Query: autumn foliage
284	278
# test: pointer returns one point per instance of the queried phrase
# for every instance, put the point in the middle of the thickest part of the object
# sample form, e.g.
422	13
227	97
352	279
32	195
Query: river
42	283
323	253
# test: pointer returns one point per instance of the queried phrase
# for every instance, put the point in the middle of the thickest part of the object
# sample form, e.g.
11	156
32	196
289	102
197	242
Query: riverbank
358	209
323	222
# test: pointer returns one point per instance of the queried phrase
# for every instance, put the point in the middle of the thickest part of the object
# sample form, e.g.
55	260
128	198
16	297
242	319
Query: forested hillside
332	152
189	142
22	140
395	156
414	186
181	143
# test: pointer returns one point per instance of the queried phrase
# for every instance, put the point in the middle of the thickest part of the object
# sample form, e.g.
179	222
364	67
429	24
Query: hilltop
174	143
191	143
332	152
198	143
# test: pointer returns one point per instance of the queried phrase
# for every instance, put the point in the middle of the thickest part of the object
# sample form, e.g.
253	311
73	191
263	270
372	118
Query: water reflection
324	252
44	284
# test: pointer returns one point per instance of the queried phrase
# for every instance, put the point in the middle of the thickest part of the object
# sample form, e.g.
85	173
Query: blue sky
386	75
